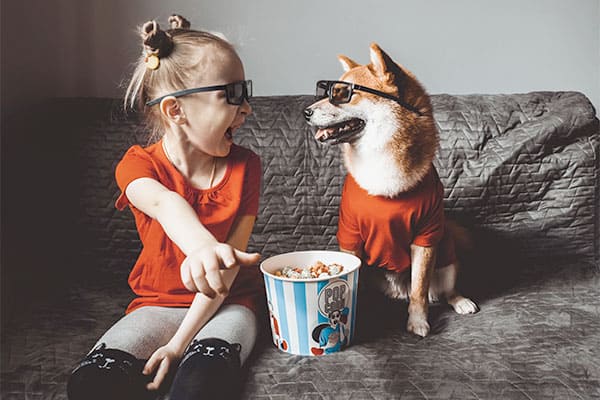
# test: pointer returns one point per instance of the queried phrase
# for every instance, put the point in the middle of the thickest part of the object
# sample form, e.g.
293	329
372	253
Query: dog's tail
463	239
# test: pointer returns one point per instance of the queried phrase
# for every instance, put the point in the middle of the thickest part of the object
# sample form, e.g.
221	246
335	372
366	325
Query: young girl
194	195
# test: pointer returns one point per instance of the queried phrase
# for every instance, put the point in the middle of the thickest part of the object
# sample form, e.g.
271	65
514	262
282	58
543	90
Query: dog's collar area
340	92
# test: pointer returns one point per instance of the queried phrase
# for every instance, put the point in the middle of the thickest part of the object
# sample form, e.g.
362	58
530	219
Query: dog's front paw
418	326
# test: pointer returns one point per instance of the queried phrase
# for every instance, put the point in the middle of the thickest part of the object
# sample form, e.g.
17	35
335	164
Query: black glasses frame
325	87
229	88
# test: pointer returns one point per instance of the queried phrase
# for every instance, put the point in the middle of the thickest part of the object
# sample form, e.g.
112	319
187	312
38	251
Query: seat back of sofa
521	167
524	166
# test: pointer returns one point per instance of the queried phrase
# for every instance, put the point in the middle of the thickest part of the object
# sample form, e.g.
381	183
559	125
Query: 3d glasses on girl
235	92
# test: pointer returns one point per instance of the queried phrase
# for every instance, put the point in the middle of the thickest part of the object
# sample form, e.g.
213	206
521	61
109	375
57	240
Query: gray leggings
146	329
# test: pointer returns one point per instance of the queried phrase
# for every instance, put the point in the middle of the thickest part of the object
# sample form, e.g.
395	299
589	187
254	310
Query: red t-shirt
384	228
155	277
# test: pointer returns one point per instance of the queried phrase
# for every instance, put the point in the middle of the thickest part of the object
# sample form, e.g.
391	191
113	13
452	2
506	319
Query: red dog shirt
384	228
155	277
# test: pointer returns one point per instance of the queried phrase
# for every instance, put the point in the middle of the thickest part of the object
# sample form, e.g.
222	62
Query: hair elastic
152	61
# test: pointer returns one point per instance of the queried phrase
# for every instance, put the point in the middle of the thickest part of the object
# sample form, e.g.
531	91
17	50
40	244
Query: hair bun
156	41
176	21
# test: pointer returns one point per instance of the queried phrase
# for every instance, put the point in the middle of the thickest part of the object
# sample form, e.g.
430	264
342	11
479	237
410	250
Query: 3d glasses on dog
235	92
340	92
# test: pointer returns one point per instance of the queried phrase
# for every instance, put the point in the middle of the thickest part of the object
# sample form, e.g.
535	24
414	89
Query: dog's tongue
323	133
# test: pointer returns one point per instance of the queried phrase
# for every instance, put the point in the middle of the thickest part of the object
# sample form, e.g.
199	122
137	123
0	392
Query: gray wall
85	48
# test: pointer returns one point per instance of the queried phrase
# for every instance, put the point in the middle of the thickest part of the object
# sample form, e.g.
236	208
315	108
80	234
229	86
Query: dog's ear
383	66
347	63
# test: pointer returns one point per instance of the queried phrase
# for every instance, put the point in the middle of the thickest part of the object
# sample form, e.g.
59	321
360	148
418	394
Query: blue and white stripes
295	307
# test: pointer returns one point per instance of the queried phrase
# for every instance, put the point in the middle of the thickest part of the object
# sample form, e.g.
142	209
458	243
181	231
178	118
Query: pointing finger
247	259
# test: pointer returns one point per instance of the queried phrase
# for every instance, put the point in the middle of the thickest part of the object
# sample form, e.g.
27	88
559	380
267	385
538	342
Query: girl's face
210	121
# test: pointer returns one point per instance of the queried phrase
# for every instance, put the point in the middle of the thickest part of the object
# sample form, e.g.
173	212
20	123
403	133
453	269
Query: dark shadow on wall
39	205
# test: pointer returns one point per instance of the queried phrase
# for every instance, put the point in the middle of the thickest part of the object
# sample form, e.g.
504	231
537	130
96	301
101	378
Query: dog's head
375	108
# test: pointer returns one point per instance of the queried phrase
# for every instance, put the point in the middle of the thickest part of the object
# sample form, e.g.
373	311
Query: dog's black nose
308	112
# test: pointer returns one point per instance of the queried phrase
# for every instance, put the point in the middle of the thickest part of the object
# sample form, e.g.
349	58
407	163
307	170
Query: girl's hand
200	269
163	359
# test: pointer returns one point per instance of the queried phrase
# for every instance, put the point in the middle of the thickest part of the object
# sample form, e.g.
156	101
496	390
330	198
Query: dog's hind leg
443	285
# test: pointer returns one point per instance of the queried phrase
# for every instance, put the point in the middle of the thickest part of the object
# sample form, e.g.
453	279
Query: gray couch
521	172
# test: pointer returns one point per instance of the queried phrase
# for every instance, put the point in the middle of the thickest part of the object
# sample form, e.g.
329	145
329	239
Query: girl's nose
246	108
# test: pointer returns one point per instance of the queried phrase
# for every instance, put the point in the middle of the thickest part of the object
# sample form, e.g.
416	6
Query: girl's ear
171	110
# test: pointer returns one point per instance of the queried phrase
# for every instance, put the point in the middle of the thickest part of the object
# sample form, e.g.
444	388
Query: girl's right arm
205	255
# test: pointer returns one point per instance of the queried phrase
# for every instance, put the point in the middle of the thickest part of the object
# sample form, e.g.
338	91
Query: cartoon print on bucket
277	339
311	316
333	334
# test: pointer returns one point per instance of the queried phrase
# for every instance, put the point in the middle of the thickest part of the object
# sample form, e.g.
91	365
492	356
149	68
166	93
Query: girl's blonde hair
169	63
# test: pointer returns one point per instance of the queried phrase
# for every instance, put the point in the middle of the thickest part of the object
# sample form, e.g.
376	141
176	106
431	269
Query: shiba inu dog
391	211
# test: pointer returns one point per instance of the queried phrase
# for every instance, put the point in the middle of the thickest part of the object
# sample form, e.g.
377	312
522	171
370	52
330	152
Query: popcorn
318	270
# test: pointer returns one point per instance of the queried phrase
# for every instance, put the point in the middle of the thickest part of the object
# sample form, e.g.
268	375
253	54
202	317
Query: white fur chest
371	160
376	172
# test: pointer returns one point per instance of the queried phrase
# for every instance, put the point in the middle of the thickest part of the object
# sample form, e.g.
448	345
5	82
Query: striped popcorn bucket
312	317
